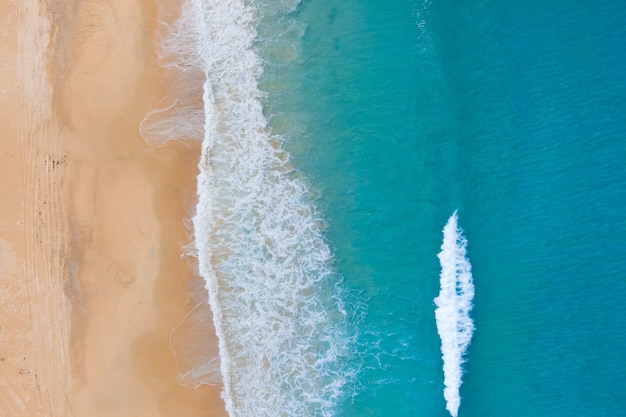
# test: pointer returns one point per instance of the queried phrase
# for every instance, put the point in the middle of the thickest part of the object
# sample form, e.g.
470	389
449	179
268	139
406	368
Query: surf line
454	304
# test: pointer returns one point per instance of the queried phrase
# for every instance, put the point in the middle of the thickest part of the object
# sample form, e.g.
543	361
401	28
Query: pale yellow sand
91	218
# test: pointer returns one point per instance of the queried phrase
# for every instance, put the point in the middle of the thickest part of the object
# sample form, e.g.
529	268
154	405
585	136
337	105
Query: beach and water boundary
394	116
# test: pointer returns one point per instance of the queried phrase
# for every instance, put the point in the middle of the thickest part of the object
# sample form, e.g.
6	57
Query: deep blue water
400	112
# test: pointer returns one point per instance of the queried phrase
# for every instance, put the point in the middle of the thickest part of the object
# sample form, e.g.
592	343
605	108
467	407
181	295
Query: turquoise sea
395	114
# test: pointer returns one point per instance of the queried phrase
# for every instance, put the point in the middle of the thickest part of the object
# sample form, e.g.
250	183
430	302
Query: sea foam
276	303
454	304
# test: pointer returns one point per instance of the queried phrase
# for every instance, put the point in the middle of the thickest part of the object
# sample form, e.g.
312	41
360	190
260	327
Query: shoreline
105	220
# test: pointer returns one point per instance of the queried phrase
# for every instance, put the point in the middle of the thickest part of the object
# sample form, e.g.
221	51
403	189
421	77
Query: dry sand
92	220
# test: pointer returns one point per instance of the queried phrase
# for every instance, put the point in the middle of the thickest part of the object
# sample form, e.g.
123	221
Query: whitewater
454	304
277	305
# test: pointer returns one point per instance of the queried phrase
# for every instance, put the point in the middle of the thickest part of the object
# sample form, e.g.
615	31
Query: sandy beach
93	220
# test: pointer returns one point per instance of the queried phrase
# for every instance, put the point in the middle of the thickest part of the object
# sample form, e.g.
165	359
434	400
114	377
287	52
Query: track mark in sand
13	398
45	374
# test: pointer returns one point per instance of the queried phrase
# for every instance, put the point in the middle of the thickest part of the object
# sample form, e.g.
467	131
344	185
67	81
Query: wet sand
92	220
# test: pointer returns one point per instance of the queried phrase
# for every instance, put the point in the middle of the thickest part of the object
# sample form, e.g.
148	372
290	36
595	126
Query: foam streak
454	304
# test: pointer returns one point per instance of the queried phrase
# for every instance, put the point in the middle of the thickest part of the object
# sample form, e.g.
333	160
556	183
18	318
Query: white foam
454	304
277	307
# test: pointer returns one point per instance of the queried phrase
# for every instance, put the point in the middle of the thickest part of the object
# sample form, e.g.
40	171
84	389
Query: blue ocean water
338	140
514	113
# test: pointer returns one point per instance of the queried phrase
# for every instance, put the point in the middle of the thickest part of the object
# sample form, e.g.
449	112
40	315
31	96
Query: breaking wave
454	304
277	305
